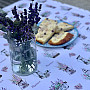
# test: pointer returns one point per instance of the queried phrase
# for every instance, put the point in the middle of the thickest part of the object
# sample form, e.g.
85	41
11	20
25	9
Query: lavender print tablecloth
66	68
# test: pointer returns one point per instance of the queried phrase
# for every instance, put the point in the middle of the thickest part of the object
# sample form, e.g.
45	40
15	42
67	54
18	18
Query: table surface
68	66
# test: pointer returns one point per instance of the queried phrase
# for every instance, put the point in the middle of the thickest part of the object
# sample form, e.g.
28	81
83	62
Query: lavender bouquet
22	28
20	35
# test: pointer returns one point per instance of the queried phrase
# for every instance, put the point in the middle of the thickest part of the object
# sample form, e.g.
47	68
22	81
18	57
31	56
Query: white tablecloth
76	56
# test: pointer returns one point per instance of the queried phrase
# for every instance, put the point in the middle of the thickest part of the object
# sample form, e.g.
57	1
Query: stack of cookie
53	32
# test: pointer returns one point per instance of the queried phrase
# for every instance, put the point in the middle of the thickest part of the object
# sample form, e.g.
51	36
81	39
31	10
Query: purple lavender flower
40	7
21	28
30	8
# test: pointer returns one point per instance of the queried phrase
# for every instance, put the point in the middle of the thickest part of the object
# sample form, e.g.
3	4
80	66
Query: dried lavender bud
36	5
25	12
30	8
17	17
15	8
21	16
29	16
32	22
40	7
13	12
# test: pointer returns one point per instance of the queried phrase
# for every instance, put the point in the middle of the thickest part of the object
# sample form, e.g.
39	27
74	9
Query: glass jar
23	57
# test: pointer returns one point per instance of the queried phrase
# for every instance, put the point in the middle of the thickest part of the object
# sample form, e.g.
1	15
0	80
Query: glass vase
23	57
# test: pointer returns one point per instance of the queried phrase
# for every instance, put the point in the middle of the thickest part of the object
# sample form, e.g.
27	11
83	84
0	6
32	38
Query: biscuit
63	27
60	38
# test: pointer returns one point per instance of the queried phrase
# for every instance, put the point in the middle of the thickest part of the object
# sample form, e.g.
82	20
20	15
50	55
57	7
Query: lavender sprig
21	28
